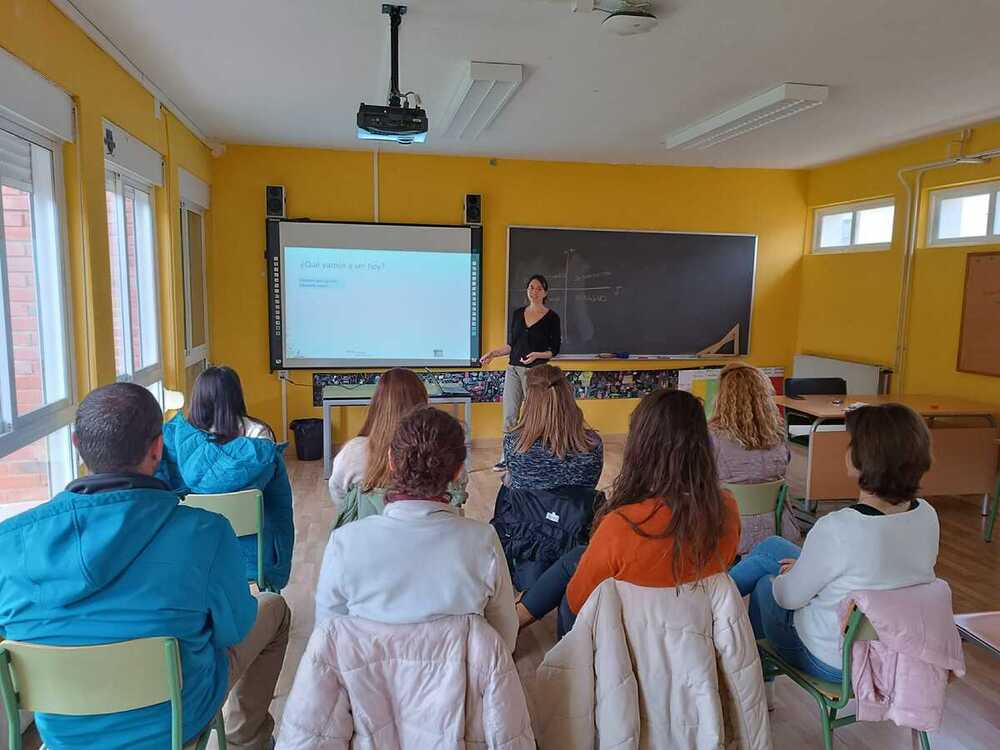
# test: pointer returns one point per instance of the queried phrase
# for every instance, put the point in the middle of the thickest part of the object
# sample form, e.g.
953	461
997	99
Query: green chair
831	697
245	512
94	680
766	497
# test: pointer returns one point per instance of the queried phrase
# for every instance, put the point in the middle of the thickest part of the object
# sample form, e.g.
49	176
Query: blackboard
637	292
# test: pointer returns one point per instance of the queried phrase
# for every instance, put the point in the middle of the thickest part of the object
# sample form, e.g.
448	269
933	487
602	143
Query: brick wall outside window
23	474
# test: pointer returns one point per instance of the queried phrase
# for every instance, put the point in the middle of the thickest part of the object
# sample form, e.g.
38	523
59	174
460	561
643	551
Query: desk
963	440
361	395
981	628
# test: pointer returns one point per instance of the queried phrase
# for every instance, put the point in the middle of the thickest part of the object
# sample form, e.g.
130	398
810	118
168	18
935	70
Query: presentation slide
351	306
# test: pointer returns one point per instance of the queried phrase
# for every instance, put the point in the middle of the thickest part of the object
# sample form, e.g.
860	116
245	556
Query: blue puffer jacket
194	462
113	558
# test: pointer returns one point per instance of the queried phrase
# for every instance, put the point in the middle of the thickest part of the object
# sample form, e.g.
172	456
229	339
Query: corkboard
979	341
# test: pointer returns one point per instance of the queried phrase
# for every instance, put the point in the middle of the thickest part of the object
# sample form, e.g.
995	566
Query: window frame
853	208
50	418
939	195
198	353
144	376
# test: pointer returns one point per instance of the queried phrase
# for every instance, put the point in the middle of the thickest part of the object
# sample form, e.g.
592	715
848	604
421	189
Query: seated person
116	557
666	521
888	540
217	448
420	559
748	437
551	445
361	467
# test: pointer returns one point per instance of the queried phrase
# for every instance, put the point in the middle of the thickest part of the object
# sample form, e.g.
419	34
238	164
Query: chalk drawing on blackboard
733	337
581	287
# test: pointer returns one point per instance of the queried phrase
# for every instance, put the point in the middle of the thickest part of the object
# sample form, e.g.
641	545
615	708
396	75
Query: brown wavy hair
428	449
552	415
745	411
399	391
668	456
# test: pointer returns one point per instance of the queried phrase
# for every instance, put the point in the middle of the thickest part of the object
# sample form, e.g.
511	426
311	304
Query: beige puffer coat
449	683
654	668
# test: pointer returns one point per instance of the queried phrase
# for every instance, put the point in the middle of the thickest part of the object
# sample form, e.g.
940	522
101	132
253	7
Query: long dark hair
217	404
668	456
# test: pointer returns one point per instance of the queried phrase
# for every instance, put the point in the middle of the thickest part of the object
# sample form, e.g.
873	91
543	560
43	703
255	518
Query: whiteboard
861	378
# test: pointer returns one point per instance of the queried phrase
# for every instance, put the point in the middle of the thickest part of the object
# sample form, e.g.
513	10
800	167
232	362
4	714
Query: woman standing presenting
533	339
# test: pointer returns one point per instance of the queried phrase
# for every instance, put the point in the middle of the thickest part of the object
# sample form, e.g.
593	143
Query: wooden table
963	441
361	395
981	628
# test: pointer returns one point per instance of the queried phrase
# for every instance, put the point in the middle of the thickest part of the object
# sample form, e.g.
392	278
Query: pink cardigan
902	675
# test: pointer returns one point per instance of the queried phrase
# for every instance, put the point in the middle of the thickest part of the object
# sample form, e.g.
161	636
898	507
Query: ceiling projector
400	124
397	121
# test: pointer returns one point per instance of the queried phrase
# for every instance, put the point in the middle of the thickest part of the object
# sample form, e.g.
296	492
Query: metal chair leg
824	715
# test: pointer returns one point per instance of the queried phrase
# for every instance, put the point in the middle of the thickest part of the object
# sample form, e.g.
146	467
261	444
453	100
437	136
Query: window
36	393
195	296
854	226
964	215
134	296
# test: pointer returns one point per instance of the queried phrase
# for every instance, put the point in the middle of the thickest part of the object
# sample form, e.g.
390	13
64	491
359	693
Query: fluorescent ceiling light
780	102
484	91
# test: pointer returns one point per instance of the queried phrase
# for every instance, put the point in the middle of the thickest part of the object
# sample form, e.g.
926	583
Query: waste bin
308	438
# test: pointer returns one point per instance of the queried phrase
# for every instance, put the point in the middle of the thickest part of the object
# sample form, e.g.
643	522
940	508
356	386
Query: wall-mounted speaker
473	209
274	202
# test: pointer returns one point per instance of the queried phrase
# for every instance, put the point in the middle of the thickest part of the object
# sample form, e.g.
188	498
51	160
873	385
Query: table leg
327	463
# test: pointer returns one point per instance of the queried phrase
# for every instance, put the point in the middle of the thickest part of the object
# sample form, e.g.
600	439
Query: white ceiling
293	71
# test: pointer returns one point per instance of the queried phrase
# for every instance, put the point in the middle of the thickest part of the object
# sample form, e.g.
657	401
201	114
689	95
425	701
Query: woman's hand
487	358
532	357
786	565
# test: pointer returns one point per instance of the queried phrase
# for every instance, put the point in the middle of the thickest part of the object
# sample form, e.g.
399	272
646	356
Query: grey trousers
515	384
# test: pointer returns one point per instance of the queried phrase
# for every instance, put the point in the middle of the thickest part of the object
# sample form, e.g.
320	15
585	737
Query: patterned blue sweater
538	469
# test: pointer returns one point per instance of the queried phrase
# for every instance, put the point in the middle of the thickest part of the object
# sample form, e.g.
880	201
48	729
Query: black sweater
543	336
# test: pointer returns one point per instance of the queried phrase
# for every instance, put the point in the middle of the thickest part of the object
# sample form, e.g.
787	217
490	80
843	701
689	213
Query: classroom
546	373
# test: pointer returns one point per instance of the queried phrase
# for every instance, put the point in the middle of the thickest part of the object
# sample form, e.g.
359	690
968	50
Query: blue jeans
549	591
754	575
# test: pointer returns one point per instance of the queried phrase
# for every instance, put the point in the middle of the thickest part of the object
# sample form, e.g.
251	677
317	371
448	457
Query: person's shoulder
552	314
254	429
472	528
925	511
626	516
355	445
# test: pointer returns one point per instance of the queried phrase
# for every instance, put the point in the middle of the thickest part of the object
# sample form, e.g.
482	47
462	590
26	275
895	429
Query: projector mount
396	99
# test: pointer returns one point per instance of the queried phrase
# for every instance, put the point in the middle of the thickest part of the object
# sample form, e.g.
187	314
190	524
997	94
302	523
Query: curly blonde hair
745	411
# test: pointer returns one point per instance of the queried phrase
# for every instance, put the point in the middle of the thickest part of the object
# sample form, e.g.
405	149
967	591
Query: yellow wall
850	301
42	37
420	188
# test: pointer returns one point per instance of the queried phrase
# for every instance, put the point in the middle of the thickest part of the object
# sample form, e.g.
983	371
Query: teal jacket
194	462
113	558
